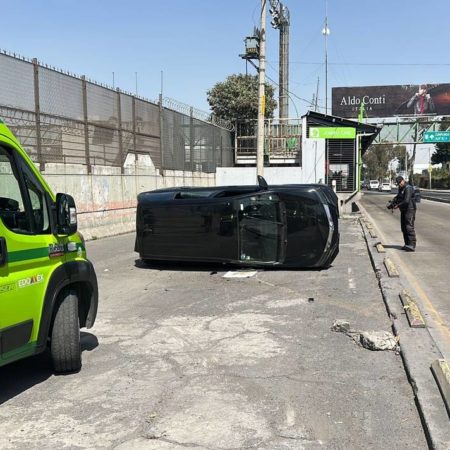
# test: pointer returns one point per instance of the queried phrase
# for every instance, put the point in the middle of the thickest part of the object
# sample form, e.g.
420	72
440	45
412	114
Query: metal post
37	112
221	151
191	140
284	71
326	33
120	133
358	162
86	124
406	163
326	75
134	127
133	118
261	92
214	149
281	21
429	165
161	131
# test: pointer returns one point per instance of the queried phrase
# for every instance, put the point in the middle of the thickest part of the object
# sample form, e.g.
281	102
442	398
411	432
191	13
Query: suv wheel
65	337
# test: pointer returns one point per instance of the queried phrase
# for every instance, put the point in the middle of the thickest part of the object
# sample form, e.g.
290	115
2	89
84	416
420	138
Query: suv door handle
3	251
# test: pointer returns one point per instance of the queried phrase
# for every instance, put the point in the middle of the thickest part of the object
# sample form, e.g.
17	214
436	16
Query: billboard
393	100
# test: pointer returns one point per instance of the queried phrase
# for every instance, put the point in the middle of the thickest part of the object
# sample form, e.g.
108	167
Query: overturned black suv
291	225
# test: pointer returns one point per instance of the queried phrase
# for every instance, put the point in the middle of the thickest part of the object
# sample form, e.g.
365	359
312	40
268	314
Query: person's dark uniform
405	202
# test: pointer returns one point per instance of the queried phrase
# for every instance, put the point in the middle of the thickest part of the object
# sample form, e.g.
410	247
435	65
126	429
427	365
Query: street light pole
261	92
326	33
430	167
406	163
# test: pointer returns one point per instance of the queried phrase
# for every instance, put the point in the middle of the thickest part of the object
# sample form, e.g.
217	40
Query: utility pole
261	93
281	21
317	95
326	33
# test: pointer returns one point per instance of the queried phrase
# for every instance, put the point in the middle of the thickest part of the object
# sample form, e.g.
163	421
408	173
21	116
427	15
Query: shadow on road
22	375
183	266
214	268
395	247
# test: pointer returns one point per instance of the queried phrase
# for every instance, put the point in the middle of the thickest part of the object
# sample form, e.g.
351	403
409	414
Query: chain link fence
61	118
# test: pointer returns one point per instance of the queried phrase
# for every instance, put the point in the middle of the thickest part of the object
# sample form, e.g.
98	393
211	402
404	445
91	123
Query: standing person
404	201
422	102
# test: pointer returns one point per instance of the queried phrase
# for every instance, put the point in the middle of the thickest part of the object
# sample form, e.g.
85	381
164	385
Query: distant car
285	225
385	187
373	185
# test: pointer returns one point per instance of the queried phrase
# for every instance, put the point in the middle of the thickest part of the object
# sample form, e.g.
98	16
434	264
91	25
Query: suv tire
65	338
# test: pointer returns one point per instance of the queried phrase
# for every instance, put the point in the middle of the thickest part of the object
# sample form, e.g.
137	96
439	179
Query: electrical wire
371	64
289	93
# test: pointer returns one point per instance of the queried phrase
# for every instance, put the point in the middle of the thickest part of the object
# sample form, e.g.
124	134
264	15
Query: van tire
65	338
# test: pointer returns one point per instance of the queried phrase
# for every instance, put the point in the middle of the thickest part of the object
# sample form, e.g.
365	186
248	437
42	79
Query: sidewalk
419	350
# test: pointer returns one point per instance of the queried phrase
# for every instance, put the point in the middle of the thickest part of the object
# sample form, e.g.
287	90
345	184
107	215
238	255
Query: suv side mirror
66	214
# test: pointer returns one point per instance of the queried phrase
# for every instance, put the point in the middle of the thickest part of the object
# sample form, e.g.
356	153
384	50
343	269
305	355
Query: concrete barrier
106	199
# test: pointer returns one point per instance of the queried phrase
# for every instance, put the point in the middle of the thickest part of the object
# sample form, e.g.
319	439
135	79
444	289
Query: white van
373	185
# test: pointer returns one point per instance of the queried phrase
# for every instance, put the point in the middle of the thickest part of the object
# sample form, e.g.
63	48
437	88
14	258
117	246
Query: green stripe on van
25	255
18	353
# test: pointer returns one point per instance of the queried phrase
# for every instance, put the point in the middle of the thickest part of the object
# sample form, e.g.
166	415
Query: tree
237	98
442	150
378	157
441	154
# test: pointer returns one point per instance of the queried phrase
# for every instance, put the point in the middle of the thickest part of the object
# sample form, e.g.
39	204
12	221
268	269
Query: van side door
29	252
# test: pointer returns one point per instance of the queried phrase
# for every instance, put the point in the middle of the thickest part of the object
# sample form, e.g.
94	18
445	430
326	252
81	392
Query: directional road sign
436	136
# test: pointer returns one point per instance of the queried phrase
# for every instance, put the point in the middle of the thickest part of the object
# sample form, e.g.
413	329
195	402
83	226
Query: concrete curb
441	371
390	267
418	349
413	313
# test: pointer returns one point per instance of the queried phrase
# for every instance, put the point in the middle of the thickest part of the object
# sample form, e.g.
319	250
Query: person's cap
399	179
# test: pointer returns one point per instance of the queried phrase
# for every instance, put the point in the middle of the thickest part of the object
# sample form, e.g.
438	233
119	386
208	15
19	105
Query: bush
439	180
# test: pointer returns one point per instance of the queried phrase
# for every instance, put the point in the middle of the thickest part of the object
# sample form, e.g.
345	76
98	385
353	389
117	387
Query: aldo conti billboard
394	100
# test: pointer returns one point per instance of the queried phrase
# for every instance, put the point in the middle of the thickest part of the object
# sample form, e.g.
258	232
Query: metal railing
282	142
406	130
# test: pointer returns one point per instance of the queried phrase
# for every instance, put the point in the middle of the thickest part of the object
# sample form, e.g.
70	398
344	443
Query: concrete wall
312	168
227	176
106	199
313	160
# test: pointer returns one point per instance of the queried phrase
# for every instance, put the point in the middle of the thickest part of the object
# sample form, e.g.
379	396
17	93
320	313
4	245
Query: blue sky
196	43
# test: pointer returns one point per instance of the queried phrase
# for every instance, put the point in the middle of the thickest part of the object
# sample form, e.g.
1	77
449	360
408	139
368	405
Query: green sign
332	133
436	136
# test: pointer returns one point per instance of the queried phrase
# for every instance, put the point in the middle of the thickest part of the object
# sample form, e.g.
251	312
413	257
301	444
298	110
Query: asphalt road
181	357
426	270
437	195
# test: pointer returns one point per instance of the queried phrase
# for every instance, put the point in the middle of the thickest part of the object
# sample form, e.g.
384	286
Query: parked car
284	225
373	185
385	187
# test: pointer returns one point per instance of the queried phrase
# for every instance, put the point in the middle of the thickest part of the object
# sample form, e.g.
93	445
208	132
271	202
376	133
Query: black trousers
407	218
